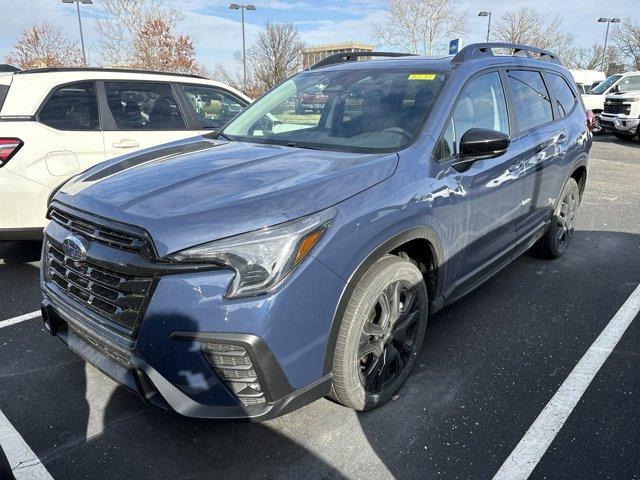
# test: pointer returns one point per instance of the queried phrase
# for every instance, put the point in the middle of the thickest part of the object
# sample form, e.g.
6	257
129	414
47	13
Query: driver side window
481	104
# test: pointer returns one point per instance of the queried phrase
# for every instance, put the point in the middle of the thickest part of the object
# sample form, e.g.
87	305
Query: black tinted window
213	107
4	89
565	98
532	102
72	107
143	106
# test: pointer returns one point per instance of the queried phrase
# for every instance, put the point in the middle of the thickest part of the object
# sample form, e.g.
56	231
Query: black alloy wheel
388	338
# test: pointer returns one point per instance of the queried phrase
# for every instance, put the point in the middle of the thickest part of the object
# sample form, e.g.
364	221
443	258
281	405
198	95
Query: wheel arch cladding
580	176
407	243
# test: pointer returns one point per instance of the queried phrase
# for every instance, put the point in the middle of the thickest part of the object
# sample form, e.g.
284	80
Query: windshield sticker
422	76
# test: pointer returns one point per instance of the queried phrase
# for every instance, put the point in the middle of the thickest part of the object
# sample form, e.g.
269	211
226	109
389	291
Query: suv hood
191	192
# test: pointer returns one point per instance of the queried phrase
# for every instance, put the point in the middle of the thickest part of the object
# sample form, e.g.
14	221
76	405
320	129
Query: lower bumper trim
142	379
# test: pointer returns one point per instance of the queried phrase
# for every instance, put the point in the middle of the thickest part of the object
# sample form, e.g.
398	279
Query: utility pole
78	2
608	21
486	14
242	7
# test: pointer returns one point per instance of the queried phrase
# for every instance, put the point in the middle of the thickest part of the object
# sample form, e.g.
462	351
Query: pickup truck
621	115
619	83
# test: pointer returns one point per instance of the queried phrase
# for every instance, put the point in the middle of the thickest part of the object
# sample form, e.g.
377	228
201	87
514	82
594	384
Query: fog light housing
232	363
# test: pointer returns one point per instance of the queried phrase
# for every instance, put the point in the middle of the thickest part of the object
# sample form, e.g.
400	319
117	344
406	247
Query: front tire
597	129
557	238
381	333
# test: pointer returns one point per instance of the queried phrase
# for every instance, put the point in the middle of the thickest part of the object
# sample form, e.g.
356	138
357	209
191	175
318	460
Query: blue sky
217	33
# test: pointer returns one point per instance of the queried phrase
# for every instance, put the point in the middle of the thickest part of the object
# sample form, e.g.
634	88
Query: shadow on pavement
12	253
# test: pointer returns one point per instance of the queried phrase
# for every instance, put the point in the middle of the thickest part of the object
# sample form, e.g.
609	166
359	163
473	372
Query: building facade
313	55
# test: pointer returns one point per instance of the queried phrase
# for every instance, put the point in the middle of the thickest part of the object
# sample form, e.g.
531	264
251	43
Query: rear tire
557	238
381	333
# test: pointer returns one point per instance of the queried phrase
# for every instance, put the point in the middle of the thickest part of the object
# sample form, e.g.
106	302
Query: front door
487	193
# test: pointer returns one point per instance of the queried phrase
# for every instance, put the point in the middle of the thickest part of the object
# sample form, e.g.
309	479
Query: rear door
539	145
69	127
140	115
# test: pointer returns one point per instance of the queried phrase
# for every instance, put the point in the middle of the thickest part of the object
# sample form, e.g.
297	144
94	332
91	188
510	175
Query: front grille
98	233
617	107
233	365
113	295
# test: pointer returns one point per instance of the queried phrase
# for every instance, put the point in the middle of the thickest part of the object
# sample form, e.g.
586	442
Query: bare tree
276	55
626	36
119	30
590	58
421	26
44	45
528	27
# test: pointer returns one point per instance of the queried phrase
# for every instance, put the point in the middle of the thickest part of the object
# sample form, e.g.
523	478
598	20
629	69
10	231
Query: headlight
262	259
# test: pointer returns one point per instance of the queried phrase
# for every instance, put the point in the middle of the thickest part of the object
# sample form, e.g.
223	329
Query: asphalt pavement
489	365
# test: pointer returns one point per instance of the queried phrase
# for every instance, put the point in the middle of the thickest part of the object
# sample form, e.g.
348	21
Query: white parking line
21	318
535	442
24	463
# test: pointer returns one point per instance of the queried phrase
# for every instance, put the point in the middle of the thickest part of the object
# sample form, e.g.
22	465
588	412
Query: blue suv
298	254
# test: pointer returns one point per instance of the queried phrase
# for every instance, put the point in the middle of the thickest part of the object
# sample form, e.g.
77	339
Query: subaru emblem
74	248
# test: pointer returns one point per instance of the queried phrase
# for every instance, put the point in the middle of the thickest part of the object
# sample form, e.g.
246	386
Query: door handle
126	144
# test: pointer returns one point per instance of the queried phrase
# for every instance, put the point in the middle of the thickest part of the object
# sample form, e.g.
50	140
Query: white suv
55	123
594	99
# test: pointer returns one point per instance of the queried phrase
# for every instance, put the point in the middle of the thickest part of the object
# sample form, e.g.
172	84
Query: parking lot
489	366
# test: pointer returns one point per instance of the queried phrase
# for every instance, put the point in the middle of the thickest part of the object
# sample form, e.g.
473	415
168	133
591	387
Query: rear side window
143	106
565	99
4	89
72	107
532	102
480	105
213	107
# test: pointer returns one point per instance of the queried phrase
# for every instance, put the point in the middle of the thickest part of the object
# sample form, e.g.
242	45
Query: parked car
311	99
54	123
621	114
246	273
594	98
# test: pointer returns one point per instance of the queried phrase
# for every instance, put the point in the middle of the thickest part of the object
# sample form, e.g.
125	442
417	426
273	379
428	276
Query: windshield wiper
301	145
217	134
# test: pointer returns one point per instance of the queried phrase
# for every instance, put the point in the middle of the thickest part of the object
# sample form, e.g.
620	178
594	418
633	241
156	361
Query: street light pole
486	14
606	37
242	7
78	2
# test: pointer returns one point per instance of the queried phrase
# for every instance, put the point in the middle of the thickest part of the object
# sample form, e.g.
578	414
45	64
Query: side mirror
479	143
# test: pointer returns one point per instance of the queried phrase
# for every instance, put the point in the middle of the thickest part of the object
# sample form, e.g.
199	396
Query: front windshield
354	110
602	87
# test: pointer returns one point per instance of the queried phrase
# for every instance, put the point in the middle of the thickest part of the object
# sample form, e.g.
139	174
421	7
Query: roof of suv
484	52
30	87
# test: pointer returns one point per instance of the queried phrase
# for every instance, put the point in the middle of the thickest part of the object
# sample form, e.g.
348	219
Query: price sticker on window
422	76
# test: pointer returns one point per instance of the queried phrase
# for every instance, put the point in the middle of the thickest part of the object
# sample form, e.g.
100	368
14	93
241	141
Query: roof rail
478	50
353	56
97	69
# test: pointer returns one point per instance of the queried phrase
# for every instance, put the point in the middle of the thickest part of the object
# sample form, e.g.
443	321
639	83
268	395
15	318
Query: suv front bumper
619	123
139	377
